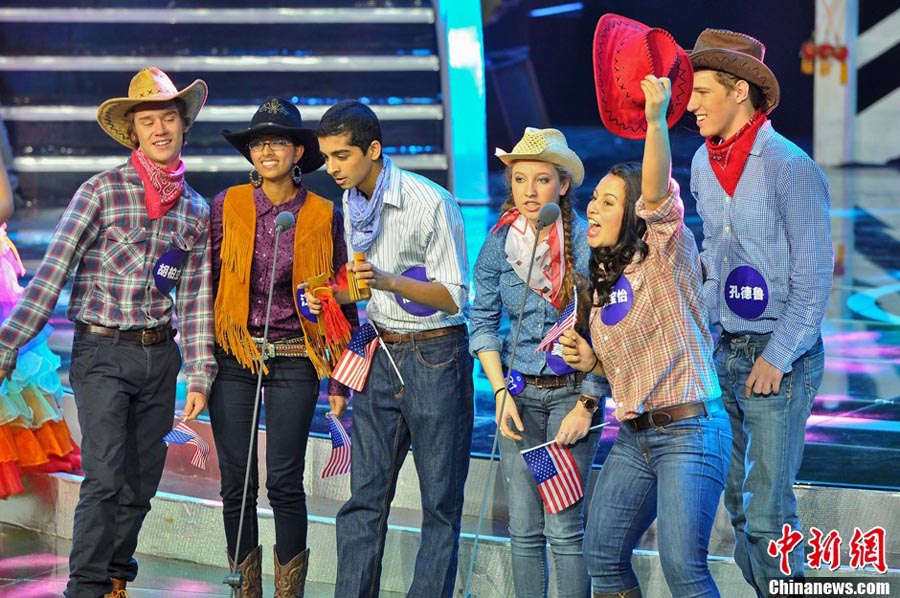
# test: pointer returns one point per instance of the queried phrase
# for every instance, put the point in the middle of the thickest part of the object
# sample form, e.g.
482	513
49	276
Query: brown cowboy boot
290	579
632	593
251	569
118	590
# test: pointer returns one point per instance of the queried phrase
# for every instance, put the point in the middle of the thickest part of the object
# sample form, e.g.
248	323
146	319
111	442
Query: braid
569	287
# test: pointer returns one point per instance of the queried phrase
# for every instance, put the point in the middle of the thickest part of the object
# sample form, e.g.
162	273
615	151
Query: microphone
285	220
547	216
235	578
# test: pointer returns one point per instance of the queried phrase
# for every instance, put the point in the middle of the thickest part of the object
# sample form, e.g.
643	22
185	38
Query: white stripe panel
174	16
217	113
193	163
878	39
306	64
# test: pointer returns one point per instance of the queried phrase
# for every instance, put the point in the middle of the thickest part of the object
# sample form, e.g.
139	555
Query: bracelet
498	391
596	363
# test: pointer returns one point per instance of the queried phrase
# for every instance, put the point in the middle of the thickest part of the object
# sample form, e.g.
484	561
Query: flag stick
592	428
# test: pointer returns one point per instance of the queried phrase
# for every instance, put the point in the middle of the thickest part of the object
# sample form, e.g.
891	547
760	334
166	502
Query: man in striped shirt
767	261
132	235
411	233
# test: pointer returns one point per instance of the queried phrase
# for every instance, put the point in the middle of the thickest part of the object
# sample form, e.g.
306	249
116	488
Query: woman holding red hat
650	338
300	347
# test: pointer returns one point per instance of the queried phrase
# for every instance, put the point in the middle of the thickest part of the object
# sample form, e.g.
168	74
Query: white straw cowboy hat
546	145
149	85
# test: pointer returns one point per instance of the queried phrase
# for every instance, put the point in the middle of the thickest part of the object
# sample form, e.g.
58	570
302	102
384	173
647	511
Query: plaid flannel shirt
660	353
105	233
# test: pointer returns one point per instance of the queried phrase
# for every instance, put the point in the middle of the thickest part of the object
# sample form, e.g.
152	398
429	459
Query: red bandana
547	277
161	186
727	158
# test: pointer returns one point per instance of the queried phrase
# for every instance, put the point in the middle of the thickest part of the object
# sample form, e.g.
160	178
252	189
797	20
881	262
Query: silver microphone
548	215
285	220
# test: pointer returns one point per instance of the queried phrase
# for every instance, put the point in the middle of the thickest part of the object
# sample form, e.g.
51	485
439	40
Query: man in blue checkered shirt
132	235
767	260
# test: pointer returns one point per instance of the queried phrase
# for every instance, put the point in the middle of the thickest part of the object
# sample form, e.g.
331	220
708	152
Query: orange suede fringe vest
313	250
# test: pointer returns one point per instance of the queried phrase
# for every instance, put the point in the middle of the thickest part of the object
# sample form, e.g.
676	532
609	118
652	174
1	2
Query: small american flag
557	477
182	434
352	368
339	463
566	320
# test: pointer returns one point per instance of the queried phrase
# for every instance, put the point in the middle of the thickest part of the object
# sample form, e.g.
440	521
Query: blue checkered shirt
105	233
777	222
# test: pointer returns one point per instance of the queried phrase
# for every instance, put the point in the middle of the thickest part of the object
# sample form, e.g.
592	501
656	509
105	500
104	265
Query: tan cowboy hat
739	55
545	145
149	85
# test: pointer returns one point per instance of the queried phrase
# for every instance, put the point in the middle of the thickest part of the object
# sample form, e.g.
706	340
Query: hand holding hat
625	52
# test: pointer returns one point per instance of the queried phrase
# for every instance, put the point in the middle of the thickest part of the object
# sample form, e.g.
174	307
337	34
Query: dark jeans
290	391
434	412
125	395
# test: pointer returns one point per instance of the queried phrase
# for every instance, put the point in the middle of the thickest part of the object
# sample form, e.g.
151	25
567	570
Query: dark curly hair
608	263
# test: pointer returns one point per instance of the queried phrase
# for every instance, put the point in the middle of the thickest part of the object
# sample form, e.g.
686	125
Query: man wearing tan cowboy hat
134	233
767	260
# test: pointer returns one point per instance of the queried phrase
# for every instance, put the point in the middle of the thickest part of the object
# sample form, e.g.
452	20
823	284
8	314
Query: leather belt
288	347
662	417
551	381
145	337
405	337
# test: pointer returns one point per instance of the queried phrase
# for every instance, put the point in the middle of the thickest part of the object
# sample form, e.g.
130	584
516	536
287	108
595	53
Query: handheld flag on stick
339	463
183	434
567	319
353	367
557	477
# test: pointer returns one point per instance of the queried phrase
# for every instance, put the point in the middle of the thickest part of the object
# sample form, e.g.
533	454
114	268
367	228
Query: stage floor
853	434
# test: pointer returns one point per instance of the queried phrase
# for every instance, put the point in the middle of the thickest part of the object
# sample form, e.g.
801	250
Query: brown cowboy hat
740	55
625	51
278	116
149	85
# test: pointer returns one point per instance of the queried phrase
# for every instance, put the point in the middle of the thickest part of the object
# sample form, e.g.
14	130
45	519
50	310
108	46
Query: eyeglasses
275	144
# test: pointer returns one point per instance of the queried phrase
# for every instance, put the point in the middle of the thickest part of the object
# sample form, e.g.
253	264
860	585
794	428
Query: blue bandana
365	214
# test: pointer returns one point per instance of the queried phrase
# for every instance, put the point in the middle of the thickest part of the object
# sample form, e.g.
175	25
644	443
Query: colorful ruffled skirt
33	434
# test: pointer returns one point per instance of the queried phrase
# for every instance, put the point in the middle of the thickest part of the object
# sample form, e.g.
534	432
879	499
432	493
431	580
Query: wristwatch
589	403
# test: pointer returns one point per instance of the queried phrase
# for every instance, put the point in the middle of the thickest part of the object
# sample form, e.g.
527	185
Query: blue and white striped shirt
778	223
421	225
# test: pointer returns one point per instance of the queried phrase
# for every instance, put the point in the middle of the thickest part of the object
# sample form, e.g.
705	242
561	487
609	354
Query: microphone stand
539	226
235	579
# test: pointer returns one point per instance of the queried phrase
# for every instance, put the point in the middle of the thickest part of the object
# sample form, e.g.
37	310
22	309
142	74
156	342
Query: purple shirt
284	322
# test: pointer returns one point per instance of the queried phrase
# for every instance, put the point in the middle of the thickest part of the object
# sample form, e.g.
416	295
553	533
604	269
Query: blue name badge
303	306
556	362
168	268
411	307
746	292
621	300
515	382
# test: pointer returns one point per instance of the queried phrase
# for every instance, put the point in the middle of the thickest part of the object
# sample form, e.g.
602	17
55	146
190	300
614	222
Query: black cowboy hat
278	116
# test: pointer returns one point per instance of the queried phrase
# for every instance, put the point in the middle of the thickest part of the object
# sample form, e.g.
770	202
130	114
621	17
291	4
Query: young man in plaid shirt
132	234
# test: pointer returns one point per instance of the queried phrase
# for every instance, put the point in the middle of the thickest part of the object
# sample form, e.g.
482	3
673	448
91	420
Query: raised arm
657	165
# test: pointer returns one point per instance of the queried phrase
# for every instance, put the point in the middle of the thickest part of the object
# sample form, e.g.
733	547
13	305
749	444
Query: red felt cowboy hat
626	51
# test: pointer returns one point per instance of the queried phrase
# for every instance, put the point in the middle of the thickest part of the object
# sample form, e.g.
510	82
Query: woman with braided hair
547	399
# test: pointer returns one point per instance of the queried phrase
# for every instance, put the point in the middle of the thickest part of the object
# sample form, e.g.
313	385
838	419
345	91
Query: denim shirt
499	290
778	222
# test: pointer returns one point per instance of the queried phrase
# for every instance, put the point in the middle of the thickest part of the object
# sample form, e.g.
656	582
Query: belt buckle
148	337
652	418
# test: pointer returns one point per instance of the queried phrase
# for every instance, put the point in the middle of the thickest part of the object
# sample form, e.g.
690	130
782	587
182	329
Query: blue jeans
125	395
674	474
290	391
530	525
769	434
433	412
